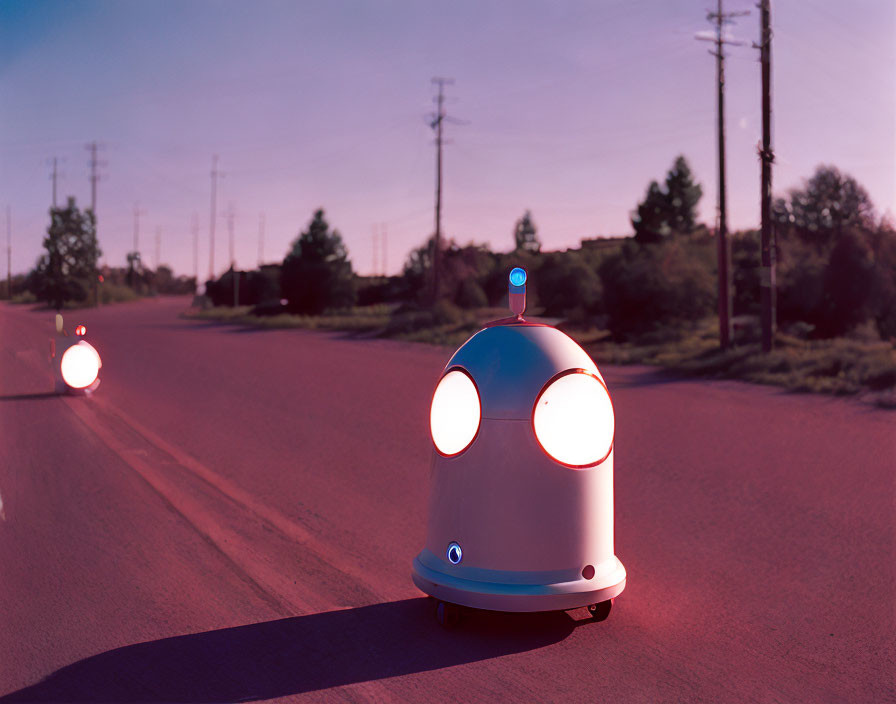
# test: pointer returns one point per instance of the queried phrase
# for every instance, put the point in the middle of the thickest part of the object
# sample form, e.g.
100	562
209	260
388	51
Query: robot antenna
517	291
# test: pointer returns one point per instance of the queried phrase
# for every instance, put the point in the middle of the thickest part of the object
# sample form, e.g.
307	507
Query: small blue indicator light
455	554
518	276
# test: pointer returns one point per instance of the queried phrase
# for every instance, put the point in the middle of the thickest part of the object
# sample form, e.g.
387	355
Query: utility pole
260	240
211	223
138	211
94	178
231	215
720	18
436	124
93	163
136	251
375	254
158	247
195	229
767	156
53	177
8	252
384	247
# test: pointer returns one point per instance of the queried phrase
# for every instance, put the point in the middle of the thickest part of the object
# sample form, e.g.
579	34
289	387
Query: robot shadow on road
296	655
30	397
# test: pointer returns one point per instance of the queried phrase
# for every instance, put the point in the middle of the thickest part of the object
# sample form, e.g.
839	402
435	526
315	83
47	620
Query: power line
720	19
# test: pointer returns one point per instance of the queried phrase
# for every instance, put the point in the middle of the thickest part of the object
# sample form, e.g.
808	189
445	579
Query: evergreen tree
682	196
669	209
650	219
525	235
67	269
317	273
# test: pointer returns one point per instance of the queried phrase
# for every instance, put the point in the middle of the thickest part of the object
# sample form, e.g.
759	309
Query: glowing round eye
518	276
574	420
454	417
80	365
80	330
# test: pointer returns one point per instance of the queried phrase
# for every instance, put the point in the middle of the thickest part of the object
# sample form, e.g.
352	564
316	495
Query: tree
317	273
832	253
682	195
68	268
848	280
669	209
819	211
650	221
525	235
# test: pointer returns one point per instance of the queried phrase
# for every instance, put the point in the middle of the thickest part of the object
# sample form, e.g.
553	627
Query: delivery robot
76	363
521	504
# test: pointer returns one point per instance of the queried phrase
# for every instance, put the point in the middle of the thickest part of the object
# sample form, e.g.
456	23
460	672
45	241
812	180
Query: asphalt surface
233	515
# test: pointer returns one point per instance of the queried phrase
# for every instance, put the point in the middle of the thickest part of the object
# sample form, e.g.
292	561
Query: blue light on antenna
518	276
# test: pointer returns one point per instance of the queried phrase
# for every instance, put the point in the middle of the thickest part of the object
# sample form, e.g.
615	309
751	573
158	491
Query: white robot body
511	528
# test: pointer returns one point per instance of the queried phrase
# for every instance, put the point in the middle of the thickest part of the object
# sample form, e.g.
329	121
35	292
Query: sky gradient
567	109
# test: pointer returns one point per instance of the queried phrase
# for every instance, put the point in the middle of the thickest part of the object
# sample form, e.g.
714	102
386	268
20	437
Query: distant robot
76	362
521	505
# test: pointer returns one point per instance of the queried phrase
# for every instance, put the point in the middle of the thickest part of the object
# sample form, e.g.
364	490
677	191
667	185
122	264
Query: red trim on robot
457	368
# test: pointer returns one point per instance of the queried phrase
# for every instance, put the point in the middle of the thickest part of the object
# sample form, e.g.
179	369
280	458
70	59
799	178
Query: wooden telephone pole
436	124
720	19
767	272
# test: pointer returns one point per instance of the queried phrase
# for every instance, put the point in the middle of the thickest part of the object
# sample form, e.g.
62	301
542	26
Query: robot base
517	597
64	389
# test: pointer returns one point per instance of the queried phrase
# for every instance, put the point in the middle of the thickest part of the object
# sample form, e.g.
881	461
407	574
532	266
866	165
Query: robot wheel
600	612
447	614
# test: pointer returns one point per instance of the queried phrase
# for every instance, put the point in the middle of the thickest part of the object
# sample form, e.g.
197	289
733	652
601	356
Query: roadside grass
24	298
360	319
445	325
109	293
839	366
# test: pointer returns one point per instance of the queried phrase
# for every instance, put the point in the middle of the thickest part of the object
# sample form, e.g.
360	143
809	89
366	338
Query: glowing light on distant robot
455	414
574	421
80	365
80	331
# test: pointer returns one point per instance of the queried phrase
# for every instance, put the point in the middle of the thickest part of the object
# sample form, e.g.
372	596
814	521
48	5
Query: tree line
836	266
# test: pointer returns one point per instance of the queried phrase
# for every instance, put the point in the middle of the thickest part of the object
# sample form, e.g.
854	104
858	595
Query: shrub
470	294
568	286
658	285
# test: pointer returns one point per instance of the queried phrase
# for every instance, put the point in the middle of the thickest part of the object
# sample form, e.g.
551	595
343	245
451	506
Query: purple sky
572	109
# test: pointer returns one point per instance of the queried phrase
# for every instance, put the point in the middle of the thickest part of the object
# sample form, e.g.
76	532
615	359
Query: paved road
232	517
